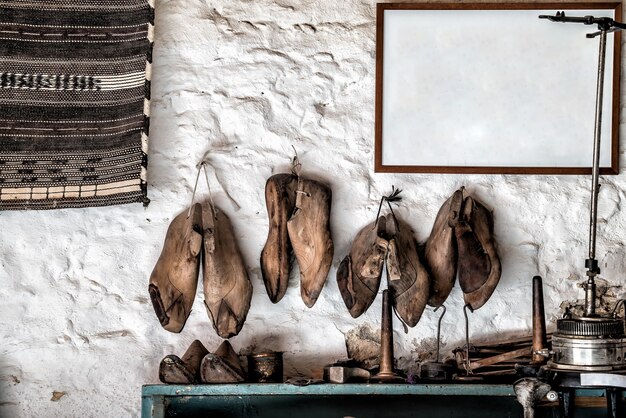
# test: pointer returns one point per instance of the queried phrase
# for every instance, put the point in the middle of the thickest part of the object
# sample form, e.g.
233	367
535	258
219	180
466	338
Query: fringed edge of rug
146	109
69	203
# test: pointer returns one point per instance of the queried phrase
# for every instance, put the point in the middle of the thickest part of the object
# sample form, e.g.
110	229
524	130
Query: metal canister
589	344
265	367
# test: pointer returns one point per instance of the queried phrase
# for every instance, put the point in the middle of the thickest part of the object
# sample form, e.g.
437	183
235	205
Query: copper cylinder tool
386	373
540	341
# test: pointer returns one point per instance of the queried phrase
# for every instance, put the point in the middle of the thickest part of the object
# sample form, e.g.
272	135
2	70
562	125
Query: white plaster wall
239	83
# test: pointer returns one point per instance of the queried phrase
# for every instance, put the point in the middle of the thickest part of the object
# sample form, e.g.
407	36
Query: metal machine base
589	344
565	384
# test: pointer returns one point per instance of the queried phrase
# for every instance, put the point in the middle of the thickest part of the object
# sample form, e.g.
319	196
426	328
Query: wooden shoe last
359	274
481	222
441	253
280	198
474	262
309	233
222	367
174	280
227	288
185	370
409	282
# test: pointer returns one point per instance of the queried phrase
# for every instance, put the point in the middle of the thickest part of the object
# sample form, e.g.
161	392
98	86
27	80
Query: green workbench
347	400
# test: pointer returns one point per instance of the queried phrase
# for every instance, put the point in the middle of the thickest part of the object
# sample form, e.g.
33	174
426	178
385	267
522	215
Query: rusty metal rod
593	213
386	372
591	263
467	340
521	352
386	337
439	329
540	340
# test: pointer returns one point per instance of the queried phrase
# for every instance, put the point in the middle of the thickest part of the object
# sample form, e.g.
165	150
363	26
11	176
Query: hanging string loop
201	166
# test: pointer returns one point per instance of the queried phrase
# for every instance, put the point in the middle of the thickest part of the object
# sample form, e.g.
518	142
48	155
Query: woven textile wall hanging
74	102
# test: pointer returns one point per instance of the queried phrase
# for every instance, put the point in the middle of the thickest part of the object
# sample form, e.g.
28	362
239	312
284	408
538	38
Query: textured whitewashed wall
240	83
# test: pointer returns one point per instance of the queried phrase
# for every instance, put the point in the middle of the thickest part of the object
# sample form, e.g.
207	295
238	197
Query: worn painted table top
329	389
338	389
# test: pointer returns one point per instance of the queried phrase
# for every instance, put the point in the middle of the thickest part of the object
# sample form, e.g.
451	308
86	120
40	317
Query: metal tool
605	24
386	373
468	369
591	342
567	382
540	339
439	329
436	370
467	365
342	374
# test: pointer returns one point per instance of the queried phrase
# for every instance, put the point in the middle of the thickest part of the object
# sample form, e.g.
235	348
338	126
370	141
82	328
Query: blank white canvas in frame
491	88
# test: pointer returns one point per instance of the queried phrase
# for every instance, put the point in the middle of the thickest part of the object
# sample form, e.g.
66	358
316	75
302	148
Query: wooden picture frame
438	110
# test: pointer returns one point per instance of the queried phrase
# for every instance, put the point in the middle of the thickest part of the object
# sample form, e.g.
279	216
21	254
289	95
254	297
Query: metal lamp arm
604	23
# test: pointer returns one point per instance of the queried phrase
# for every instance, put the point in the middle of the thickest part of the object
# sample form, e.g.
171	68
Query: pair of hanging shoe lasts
389	242
461	241
299	222
462	245
201	234
198	365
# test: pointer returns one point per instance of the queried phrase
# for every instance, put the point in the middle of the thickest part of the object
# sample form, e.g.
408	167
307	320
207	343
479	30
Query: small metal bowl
265	367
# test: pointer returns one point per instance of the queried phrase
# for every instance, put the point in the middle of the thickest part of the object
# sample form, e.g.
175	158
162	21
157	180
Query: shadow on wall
10	377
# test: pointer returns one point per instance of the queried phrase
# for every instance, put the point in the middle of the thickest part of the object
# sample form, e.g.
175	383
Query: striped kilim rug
74	102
